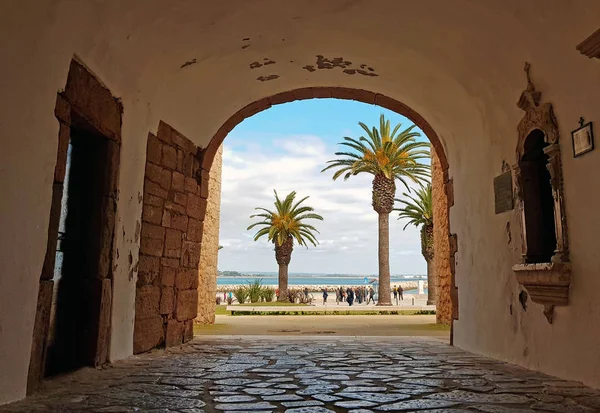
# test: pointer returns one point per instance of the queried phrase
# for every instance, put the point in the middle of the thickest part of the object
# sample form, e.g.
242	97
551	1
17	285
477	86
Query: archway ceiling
454	62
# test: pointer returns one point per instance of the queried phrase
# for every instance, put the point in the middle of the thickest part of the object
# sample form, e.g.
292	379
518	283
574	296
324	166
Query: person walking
395	294
359	295
325	294
400	292
350	298
306	294
371	295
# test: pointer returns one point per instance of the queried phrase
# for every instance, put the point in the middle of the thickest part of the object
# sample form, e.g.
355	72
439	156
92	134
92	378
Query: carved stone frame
547	283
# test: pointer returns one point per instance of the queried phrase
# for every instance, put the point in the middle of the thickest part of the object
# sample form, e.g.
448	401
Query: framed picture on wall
583	139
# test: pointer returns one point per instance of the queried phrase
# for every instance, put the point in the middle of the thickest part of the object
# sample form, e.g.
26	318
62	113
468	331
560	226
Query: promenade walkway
310	375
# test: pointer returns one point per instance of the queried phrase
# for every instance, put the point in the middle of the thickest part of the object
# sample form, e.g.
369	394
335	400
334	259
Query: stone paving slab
309	375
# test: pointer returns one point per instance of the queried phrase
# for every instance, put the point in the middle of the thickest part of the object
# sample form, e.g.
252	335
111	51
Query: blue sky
284	148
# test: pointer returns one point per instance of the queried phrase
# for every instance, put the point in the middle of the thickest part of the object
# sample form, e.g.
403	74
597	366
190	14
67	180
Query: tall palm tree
282	226
419	212
388	156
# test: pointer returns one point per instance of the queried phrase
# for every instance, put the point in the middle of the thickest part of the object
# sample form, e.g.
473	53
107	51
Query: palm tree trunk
384	259
431	283
283	283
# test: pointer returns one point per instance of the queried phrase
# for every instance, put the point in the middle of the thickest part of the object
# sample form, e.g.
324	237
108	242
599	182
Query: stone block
105	226
182	142
153	150
64	135
173	242
172	206
194	231
152	214
180	199
147	334
112	158
169	157
147	302
174	220
204	184
167	301
190	254
40	334
175	331
186	279
188	333
188	164
62	110
93	101
103	339
191	185
149	264
196	207
158	175
155	189
153	231
151	246
154	200
180	155
164	132
148	270
178	182
170	262
168	276
187	304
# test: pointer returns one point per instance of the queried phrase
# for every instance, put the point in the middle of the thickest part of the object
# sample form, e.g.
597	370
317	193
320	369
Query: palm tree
387	156
419	212
283	226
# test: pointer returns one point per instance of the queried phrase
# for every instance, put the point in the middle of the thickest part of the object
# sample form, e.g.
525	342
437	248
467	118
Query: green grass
222	310
270	304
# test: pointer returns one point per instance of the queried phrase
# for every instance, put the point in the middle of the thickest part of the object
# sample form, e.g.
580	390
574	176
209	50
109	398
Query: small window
538	202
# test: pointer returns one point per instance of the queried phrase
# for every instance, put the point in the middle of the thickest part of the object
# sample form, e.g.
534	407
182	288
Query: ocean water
310	280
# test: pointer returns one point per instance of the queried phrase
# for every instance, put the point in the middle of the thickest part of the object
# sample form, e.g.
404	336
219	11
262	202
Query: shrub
218	300
254	289
229	299
268	294
295	295
240	294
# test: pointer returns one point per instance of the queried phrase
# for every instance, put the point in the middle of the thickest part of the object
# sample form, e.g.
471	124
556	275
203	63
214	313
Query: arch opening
447	297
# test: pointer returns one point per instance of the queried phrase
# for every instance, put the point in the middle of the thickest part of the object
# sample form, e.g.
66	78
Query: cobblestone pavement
307	375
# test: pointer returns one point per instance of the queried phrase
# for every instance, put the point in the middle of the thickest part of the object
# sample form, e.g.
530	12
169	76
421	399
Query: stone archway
445	245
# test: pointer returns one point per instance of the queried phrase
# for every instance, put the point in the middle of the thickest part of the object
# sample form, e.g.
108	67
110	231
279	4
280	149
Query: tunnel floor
310	375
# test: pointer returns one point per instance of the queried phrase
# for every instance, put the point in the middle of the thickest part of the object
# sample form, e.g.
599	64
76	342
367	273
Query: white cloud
348	238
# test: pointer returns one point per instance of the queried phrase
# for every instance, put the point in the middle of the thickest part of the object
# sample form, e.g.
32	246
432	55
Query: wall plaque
503	192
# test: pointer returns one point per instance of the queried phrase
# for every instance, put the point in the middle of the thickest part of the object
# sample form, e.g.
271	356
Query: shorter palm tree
282	226
418	210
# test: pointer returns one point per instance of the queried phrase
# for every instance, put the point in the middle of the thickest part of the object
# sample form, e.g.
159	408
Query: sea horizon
271	278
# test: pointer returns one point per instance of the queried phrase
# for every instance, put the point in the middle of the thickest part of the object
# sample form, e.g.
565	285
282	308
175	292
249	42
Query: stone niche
545	269
175	200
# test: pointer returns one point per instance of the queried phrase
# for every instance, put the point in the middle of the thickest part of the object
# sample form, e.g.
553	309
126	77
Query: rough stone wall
441	244
171	232
209	254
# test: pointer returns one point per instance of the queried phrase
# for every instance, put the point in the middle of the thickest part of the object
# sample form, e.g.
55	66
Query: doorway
76	303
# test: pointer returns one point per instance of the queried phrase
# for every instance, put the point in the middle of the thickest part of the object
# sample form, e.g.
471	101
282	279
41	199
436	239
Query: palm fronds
396	155
418	209
287	220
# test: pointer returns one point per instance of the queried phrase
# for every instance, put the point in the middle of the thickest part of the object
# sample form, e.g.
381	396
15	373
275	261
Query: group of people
360	295
350	295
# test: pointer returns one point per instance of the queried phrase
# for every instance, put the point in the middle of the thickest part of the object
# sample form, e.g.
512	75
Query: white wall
459	64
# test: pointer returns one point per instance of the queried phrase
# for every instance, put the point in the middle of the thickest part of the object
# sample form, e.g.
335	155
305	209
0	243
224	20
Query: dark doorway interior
538	200
76	303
